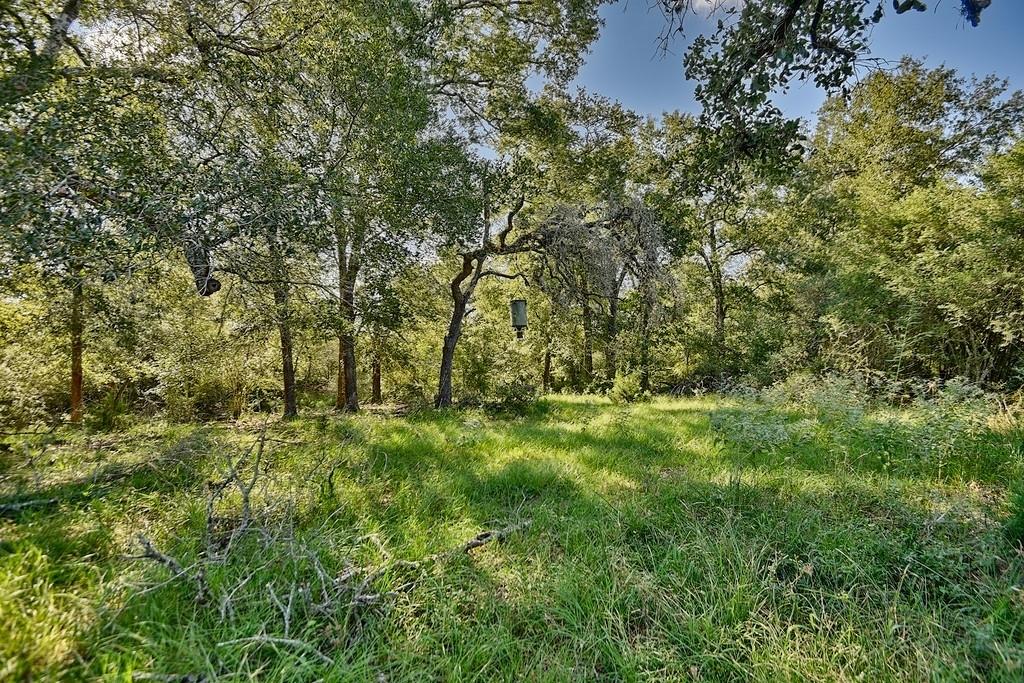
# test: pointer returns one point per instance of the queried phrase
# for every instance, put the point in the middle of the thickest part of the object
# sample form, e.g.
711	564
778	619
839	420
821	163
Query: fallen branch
270	640
21	505
362	598
217	490
151	553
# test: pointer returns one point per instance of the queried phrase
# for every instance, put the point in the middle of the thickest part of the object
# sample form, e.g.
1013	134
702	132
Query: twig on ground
244	486
271	640
362	598
21	505
286	610
151	553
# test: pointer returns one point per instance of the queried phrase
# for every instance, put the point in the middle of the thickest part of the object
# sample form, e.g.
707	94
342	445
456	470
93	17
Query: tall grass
762	537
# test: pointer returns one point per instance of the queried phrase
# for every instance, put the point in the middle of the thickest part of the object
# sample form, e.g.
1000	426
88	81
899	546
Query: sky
625	63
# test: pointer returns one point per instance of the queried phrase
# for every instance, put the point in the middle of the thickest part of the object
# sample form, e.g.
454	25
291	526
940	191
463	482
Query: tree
761	46
136	42
81	171
889	210
706	182
463	285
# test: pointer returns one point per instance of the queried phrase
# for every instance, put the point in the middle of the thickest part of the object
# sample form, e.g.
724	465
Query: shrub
110	413
628	388
834	399
516	397
33	387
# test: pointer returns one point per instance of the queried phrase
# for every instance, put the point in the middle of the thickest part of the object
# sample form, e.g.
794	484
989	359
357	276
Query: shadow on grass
684	569
678	567
175	466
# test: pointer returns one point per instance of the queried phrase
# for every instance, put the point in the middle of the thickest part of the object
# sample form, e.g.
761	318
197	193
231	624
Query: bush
516	397
33	387
939	427
628	388
838	400
110	413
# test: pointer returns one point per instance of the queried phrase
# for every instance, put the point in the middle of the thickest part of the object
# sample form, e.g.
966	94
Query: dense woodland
215	214
207	213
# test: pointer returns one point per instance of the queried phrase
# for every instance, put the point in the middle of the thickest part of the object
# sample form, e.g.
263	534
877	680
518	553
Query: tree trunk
612	328
291	406
348	391
347	398
588	342
77	325
546	377
612	333
375	396
645	344
714	268
444	382
718	288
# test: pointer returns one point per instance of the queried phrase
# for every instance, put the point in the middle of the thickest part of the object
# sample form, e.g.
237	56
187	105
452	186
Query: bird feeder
518	308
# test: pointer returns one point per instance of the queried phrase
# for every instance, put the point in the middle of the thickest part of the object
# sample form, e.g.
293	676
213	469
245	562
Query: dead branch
151	553
363	598
244	485
290	642
286	610
21	505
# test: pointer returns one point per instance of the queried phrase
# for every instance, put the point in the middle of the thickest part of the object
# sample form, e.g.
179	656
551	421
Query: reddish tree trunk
375	396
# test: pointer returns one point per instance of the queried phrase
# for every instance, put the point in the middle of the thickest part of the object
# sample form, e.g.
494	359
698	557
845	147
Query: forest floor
644	542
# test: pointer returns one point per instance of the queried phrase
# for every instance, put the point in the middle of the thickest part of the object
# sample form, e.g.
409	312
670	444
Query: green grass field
701	539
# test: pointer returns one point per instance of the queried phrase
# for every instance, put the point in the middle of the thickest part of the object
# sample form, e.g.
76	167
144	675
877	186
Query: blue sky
624	64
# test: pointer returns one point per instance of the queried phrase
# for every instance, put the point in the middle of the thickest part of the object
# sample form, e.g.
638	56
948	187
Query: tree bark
460	299
612	327
588	341
77	325
347	398
714	268
611	334
287	350
282	312
645	343
546	377
718	288
375	396
291	406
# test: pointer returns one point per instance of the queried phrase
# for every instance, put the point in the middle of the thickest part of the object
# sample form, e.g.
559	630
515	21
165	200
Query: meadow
706	538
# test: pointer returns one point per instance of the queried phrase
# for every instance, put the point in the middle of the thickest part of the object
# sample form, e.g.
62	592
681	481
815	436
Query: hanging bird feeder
518	308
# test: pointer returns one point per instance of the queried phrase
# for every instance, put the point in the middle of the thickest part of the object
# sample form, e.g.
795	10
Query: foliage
761	47
1014	524
946	429
627	388
516	397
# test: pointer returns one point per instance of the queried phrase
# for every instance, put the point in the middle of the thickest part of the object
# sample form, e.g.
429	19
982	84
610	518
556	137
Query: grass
672	540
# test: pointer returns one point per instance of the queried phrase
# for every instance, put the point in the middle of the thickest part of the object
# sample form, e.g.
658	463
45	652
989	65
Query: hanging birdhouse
518	308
